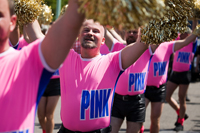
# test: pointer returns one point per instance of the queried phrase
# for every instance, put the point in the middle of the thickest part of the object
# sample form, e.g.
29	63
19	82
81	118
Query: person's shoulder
168	43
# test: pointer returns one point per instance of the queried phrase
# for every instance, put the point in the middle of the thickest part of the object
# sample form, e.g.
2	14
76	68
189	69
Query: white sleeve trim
114	41
120	60
12	44
173	47
46	66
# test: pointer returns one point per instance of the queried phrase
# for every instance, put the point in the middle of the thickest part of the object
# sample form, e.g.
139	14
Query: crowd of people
101	76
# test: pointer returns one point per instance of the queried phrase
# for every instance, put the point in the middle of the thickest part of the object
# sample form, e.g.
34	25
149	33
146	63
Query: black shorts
53	88
154	94
102	130
131	107
181	77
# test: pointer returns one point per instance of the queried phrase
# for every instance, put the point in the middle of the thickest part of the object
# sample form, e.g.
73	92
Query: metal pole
58	8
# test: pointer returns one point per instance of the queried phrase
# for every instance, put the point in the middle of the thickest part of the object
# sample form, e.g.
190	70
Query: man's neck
153	48
4	46
89	53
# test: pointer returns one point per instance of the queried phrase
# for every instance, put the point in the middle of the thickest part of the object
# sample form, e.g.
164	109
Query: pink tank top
133	80
159	64
183	58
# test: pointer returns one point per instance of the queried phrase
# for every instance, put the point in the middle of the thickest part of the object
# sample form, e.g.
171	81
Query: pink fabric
56	75
77	46
181	120
177	111
142	129
21	73
159	64
116	47
178	38
87	87
183	59
133	80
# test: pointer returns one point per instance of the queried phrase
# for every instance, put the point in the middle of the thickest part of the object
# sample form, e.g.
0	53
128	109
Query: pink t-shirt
159	64
87	87
24	76
115	47
183	58
133	80
22	42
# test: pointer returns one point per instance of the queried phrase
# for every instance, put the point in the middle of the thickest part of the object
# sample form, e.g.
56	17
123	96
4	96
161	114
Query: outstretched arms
181	43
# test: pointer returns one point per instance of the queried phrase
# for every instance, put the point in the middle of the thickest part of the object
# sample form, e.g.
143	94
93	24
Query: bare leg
156	110
41	112
146	102
170	88
133	127
116	124
182	96
50	108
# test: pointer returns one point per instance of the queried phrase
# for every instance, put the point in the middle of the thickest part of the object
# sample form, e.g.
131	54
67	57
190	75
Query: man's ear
103	41
13	21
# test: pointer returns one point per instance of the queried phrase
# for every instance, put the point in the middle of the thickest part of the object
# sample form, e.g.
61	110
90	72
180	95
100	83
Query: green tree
52	3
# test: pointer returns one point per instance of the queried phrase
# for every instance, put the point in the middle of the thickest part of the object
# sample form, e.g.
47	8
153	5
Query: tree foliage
53	3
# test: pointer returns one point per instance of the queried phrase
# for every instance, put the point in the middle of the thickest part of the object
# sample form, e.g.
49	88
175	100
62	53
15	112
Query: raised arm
132	52
108	39
60	37
181	43
110	35
194	24
32	31
117	36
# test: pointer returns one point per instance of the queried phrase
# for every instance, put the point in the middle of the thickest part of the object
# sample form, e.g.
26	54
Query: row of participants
98	89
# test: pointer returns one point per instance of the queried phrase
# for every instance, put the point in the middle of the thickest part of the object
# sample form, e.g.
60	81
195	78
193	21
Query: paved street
191	125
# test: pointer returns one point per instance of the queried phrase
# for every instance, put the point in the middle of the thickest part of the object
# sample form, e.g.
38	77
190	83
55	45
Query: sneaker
186	117
178	127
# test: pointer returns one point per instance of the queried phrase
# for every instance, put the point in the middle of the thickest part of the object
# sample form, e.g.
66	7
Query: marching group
101	81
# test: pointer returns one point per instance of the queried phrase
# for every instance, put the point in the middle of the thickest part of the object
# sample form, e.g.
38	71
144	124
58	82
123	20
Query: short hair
101	27
11	7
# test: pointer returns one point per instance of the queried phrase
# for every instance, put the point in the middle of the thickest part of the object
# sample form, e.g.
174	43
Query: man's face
4	20
131	36
91	35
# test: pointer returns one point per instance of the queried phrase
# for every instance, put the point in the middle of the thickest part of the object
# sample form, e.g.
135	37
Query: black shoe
178	127
186	117
187	99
